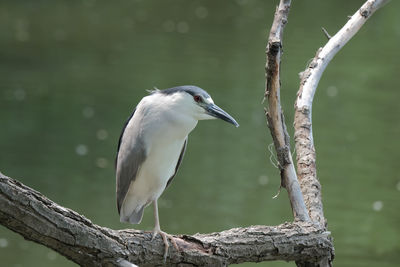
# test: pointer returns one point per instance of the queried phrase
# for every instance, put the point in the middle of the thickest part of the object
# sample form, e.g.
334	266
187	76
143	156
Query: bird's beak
219	113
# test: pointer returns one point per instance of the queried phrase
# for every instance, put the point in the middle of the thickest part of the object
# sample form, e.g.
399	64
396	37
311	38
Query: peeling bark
309	79
306	157
39	219
274	113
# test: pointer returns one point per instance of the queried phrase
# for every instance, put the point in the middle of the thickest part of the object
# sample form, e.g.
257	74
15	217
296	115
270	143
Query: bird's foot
165	238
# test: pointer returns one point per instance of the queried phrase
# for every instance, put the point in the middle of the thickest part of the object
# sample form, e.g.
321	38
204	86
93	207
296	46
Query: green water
72	71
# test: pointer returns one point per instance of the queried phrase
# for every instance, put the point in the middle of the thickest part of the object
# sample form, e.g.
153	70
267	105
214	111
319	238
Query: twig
326	33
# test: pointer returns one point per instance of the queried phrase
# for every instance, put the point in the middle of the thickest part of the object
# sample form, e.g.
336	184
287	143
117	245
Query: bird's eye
197	98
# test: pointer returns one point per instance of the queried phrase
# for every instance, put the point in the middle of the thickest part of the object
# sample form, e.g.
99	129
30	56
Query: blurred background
71	72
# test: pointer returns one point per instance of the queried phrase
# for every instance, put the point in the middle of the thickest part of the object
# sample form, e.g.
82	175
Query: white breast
164	134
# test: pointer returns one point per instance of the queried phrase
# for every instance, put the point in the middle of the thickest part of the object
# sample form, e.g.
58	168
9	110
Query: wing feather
122	133
178	163
130	156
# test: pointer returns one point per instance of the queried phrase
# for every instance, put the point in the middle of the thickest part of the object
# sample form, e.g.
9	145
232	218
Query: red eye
197	98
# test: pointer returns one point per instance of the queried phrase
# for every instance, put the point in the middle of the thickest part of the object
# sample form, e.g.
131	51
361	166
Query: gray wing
130	156
179	162
120	136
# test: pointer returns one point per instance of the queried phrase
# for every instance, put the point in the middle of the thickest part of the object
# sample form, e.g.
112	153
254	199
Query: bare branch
274	114
39	219
306	167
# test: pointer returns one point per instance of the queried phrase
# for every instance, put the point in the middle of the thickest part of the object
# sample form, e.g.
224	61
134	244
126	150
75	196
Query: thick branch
37	218
306	167
275	118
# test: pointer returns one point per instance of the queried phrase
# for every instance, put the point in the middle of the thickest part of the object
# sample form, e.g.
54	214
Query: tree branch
306	166
274	114
306	157
39	219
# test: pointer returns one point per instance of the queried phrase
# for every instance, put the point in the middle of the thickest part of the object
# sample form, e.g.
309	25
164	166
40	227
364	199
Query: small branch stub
326	33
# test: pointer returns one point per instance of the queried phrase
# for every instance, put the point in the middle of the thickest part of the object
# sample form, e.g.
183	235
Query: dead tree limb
303	135
309	79
39	219
274	113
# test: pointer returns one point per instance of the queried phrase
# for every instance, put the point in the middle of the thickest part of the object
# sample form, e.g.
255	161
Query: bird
152	145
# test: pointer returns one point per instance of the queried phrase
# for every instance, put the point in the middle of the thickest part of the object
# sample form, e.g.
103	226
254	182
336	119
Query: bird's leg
164	235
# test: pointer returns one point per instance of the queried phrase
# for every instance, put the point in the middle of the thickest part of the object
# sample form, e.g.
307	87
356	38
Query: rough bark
39	219
306	157
274	113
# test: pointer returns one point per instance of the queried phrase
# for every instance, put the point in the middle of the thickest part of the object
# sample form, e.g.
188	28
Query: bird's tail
135	217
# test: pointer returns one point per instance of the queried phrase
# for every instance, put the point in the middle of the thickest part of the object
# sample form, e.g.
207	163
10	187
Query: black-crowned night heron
152	145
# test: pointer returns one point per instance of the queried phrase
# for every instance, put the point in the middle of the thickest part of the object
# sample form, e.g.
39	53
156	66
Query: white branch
306	158
325	55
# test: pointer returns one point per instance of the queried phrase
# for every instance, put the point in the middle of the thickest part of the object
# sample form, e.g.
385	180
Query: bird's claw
165	238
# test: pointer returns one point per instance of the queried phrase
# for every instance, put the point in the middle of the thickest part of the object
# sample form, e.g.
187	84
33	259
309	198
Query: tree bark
39	219
306	157
274	113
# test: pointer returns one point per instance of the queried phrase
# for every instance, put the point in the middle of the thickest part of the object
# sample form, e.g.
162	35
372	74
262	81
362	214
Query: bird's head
195	101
